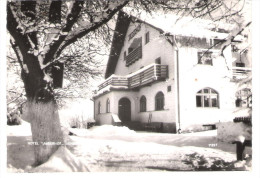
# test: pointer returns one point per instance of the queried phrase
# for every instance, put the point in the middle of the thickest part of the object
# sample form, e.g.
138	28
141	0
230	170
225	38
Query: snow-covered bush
201	163
196	128
109	130
230	131
14	117
80	122
77	113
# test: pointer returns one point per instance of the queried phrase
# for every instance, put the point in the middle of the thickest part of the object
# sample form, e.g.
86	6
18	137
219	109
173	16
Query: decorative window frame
143	104
244	98
209	99
147	37
99	107
205	57
159	101
108	106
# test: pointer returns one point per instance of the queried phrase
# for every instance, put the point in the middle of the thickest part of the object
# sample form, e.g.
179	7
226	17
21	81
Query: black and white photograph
162	86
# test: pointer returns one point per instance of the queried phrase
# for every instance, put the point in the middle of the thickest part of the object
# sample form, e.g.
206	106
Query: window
239	102
216	42
205	57
147	37
159	101
130	50
240	64
158	60
125	55
134	51
108	105
143	104
234	48
137	42
243	98
99	107
207	97
169	88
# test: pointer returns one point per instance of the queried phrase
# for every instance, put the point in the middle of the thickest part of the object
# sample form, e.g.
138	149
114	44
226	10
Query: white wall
114	97
157	47
194	77
166	116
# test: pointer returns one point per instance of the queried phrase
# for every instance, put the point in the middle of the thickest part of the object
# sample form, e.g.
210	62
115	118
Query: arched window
143	104
108	105
159	101
207	97
99	107
243	98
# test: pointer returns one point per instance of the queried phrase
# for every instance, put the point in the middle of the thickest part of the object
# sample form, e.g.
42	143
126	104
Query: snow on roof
243	112
184	26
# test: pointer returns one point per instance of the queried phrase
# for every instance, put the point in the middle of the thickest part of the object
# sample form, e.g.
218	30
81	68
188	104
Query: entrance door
124	110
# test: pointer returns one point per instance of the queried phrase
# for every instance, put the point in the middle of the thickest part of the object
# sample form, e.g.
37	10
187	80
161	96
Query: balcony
147	76
116	81
240	72
142	77
133	56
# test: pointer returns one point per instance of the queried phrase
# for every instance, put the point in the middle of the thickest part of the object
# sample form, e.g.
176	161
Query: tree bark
42	113
46	130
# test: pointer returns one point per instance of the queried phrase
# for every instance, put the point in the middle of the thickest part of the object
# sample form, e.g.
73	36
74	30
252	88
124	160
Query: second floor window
240	64
205	57
147	37
130	50
159	101
158	60
207	97
143	104
134	51
108	105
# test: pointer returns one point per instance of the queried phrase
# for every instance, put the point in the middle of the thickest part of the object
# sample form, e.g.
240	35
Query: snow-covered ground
110	148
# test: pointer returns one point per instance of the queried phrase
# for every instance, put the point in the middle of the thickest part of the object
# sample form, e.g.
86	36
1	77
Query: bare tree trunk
46	129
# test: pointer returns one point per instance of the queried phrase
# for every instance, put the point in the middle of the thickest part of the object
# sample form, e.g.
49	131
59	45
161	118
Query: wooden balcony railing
241	72
144	76
134	56
114	81
153	73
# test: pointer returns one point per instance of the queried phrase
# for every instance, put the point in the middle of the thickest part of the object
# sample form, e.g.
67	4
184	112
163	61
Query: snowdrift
104	130
62	161
230	132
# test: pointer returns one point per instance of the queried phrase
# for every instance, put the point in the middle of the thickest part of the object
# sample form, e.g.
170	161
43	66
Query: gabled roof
122	24
165	23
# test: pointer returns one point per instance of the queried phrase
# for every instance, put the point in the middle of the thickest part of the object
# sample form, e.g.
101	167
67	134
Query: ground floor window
99	107
159	101
243	98
143	104
108	105
207	97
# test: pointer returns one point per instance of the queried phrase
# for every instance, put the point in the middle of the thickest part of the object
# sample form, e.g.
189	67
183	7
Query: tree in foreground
42	31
